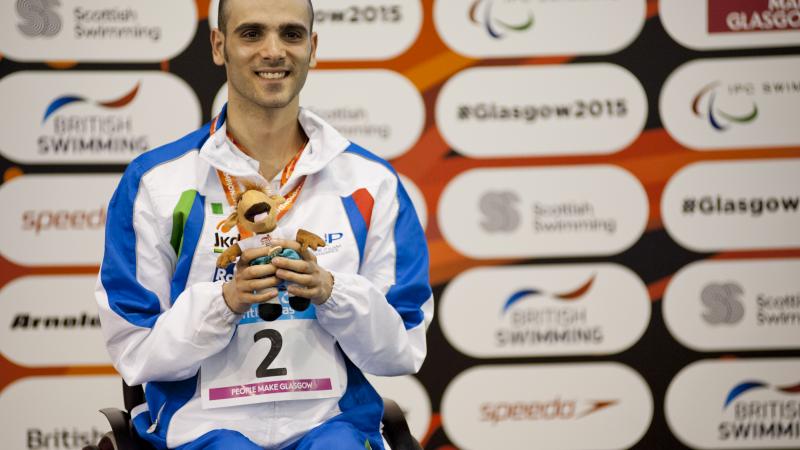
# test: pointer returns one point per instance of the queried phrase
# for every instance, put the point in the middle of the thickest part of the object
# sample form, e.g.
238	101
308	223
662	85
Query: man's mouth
273	75
257	212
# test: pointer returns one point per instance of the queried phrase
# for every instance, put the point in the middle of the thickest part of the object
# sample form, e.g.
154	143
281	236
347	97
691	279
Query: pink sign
269	387
736	16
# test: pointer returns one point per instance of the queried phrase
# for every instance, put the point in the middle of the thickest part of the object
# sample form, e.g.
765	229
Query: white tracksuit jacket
160	295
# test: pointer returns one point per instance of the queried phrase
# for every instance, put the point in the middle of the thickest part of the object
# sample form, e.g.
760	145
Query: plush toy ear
228	223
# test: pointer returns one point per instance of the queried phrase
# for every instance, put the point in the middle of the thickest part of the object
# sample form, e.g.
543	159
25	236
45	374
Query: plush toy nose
257	209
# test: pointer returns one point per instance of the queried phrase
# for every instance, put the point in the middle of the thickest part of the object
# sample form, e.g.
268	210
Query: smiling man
217	375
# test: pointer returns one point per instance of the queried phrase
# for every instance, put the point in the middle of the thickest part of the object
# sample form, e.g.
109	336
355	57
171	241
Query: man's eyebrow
249	26
294	26
261	26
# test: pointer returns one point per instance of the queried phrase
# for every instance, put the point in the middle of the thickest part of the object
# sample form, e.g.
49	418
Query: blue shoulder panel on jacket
126	297
412	286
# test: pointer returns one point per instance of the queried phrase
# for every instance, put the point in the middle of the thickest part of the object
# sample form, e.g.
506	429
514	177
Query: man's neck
271	136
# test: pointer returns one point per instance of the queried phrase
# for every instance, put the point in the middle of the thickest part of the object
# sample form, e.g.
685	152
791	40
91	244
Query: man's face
267	50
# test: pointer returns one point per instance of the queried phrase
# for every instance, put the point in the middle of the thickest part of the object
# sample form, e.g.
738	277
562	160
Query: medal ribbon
232	188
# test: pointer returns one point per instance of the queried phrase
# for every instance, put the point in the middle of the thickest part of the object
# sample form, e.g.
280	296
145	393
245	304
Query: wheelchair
124	437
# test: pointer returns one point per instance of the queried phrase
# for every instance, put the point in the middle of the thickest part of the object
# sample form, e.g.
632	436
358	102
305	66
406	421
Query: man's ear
229	223
313	61
218	47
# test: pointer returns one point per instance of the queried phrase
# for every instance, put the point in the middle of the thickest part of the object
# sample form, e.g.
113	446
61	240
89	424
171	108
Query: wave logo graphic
751	385
39	17
570	296
493	24
65	100
718	118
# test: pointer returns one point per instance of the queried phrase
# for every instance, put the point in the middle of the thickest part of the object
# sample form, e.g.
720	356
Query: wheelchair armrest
121	429
395	427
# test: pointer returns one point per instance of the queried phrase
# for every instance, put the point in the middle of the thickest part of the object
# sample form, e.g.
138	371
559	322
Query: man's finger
300	291
253	253
258	284
261	297
295	265
294	277
309	256
258	271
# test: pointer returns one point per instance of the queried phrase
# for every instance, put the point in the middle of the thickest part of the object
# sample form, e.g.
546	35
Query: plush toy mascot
256	211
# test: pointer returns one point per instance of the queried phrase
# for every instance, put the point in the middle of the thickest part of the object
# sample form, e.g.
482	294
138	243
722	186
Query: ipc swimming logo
484	12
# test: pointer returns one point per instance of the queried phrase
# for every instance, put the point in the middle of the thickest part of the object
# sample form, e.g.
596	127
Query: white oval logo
722	24
736	404
88	30
734	205
51	321
491	112
57	411
733	103
412	398
417	199
64	228
388	125
526	212
556	406
527	311
366	29
735	305
93	117
390	122
509	28
358	30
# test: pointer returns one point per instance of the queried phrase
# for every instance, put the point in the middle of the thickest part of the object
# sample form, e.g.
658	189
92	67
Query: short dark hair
222	16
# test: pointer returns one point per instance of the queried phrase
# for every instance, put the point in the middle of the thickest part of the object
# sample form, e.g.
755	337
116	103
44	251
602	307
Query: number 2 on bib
276	343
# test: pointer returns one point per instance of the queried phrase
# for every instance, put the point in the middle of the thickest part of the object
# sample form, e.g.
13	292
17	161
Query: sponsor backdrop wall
609	189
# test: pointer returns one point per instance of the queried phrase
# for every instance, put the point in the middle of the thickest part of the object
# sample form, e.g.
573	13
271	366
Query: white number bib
291	358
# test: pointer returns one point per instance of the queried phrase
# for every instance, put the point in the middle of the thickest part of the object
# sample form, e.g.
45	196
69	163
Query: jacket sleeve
379	316
155	330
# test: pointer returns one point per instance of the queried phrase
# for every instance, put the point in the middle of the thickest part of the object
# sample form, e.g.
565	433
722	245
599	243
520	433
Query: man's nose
272	47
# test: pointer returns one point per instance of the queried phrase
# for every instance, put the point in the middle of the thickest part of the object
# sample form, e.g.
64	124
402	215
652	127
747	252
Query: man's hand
310	280
238	293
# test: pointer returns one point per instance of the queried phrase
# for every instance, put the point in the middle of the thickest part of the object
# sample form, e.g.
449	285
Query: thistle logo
718	118
493	23
39	18
722	301
63	101
566	297
750	385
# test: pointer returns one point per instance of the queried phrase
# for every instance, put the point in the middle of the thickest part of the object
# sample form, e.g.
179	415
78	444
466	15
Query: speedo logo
557	409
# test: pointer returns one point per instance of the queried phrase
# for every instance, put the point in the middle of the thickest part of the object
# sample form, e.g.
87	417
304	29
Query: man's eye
250	34
294	35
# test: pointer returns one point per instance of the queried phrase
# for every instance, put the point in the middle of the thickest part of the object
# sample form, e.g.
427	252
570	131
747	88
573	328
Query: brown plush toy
257	211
